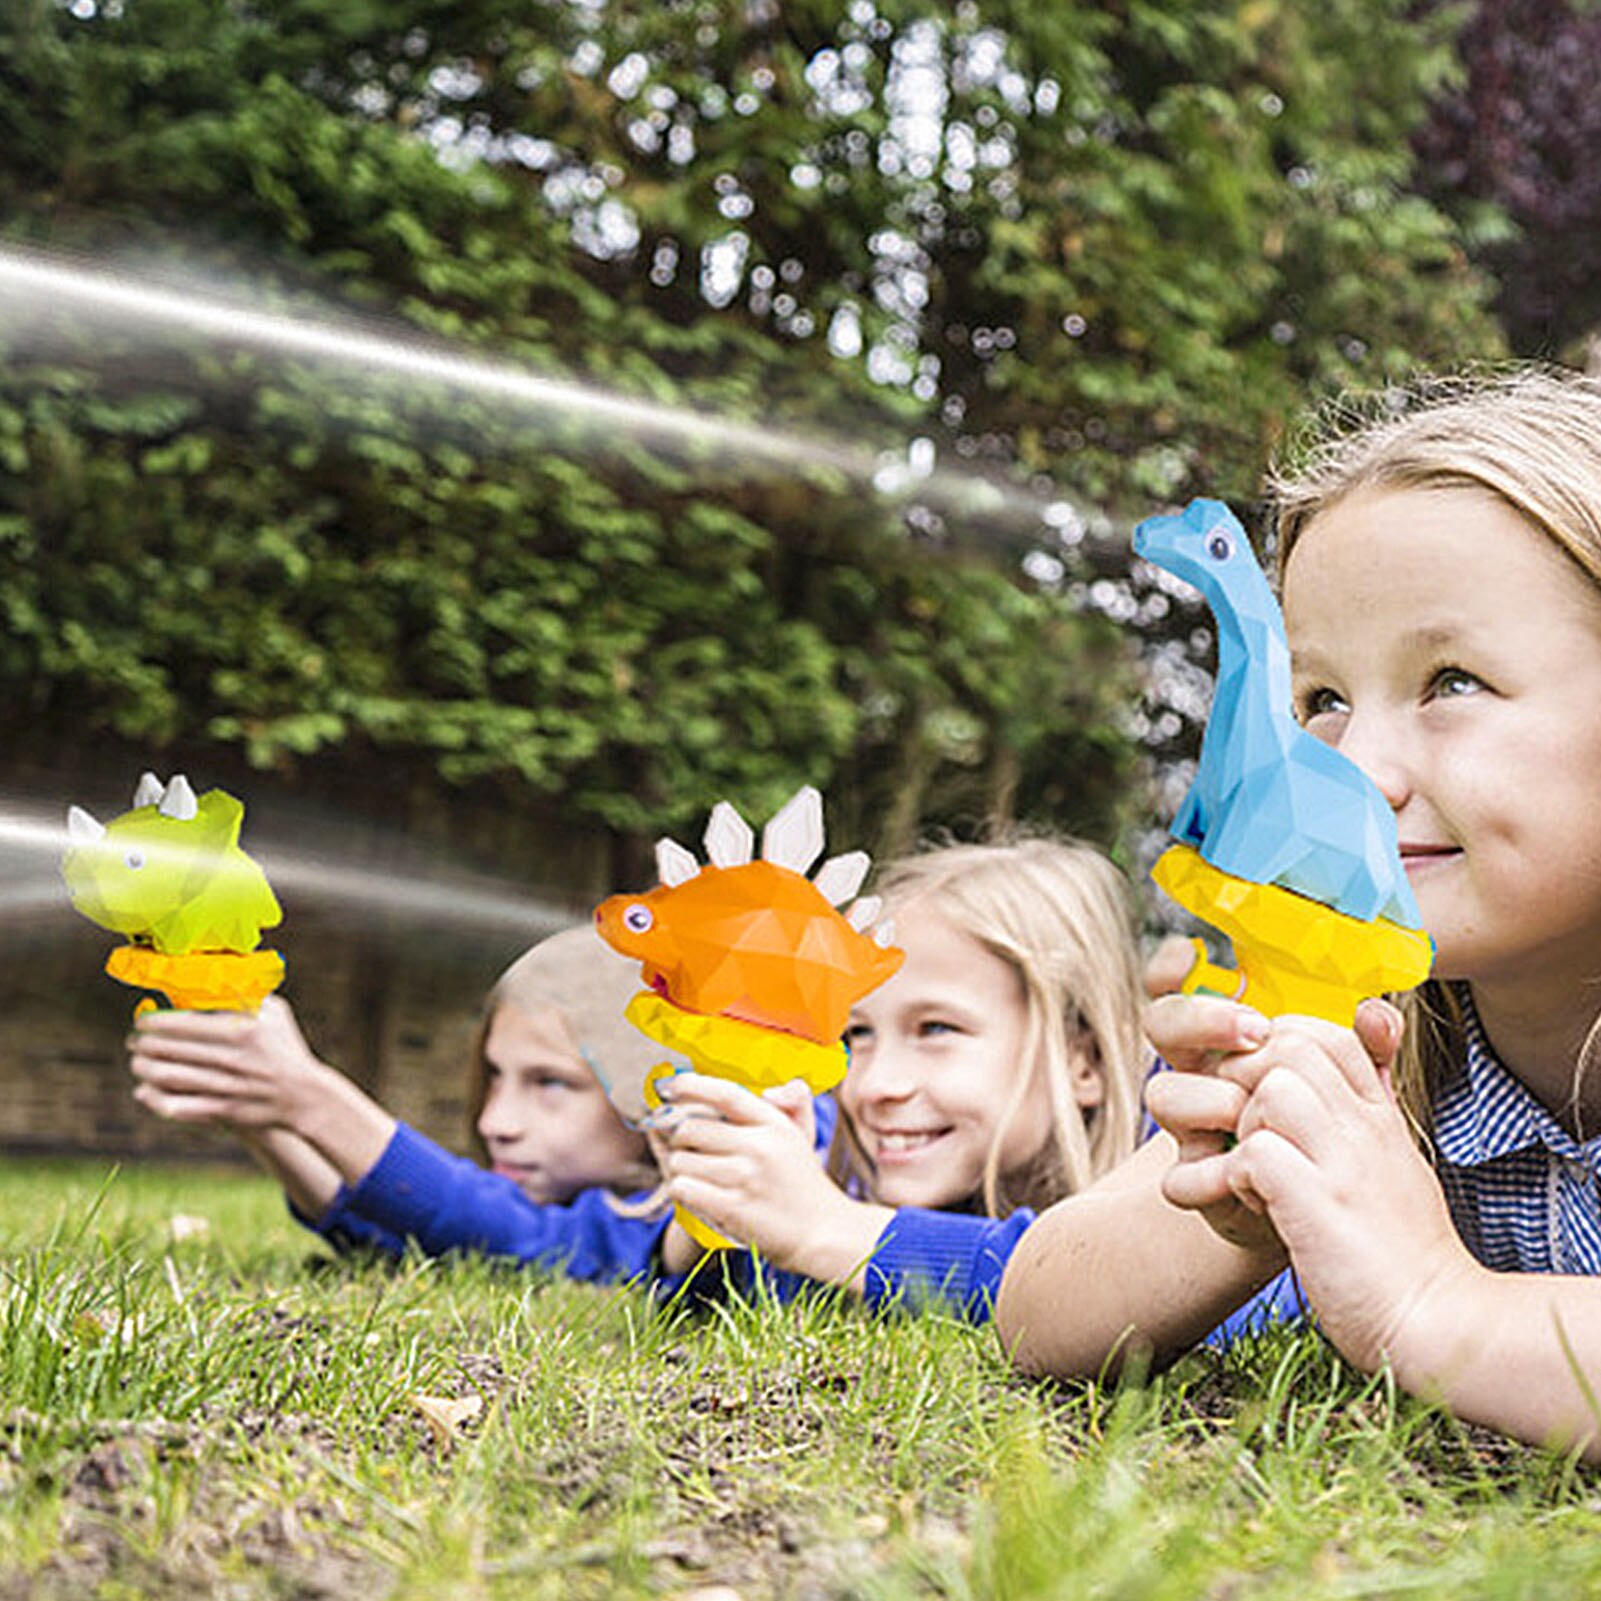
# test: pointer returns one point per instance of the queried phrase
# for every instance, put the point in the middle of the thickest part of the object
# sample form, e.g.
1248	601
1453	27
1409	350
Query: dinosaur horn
149	791
728	837
82	829
794	835
674	865
863	912
179	801
841	876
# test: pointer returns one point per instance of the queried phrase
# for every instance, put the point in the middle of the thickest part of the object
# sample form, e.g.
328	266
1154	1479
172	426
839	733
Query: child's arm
1326	1149
255	1071
740	1162
1121	1268
307	1177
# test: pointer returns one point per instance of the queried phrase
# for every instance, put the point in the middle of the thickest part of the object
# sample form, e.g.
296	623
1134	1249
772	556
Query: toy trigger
653	1096
1206	977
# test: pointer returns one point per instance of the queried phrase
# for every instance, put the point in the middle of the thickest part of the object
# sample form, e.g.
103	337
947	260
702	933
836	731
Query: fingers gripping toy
1284	845
170	876
751	971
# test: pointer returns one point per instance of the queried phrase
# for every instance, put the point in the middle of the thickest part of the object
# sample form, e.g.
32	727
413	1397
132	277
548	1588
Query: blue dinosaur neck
1252	650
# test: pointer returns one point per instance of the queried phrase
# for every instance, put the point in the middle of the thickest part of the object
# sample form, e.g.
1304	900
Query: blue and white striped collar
1483	1112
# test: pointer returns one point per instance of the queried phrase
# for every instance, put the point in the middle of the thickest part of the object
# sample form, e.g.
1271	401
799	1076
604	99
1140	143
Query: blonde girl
1441	577
997	1071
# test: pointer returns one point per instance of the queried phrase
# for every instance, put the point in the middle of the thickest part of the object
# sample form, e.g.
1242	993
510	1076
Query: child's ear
1084	1076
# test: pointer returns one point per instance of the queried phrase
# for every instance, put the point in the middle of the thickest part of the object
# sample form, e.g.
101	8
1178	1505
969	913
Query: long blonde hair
1060	914
1531	437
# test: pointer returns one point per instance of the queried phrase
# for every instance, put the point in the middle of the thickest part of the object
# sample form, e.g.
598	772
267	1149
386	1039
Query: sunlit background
482	436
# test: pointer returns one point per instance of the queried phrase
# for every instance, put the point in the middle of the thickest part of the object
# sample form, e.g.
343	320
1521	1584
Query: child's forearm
839	1250
1117	1271
308	1178
1516	1352
345	1126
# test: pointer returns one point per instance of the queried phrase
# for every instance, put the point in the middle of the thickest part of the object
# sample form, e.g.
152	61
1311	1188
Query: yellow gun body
1294	953
729	1048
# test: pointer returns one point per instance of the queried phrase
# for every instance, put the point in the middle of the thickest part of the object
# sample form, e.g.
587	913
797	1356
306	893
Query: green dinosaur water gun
170	877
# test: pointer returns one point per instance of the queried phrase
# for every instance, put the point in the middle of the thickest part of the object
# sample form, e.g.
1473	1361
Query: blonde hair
1531	437
1060	914
588	984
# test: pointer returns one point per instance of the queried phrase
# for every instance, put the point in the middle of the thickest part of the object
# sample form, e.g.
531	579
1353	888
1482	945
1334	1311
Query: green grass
230	1414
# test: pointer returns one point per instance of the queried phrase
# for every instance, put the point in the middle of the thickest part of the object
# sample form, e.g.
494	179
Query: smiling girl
997	1071
1441	576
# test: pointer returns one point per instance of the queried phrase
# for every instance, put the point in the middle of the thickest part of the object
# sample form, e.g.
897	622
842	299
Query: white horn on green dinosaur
179	801
149	791
82	829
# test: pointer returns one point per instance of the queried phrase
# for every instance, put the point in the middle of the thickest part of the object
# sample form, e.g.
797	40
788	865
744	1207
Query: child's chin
932	1190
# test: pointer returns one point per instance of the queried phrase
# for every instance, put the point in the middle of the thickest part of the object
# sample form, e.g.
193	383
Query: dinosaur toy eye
1220	547
638	919
135	859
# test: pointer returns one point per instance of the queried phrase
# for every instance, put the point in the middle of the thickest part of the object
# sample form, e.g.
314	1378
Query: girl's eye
1450	682
1320	702
549	1081
935	1028
858	1036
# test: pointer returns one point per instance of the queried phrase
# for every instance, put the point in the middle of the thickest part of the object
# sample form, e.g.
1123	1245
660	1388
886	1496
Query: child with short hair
997	1071
562	1159
1441	578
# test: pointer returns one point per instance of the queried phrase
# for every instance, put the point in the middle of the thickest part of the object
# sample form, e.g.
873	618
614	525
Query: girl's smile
936	1056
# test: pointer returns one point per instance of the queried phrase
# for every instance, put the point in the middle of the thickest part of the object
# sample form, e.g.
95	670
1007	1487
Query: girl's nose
495	1122
882	1074
1376	744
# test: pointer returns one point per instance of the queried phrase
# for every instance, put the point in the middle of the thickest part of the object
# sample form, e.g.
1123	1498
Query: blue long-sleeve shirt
418	1191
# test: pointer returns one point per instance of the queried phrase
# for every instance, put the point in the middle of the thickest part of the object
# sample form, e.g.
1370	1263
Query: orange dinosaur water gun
751	971
170	876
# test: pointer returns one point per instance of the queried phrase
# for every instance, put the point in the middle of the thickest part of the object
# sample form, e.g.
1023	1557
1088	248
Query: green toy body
175	884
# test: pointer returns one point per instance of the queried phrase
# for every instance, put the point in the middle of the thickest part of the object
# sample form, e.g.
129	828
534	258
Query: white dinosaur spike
149	791
841	876
863	913
728	837
674	865
82	828
794	834
179	801
884	934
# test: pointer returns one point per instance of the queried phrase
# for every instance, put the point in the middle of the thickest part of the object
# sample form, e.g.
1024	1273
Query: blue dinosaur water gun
1283	844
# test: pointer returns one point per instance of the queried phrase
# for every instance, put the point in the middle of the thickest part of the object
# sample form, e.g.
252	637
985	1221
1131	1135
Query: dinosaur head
1204	545
128	874
640	926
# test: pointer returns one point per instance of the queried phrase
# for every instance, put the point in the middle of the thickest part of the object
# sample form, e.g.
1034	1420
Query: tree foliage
1099	252
1518	140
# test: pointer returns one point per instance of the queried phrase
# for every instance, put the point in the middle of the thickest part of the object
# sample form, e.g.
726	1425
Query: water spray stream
439	899
35	285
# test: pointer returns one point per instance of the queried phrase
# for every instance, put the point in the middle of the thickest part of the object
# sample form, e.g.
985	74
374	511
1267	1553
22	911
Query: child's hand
745	1165
1324	1147
1201	1108
1168	966
233	1069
